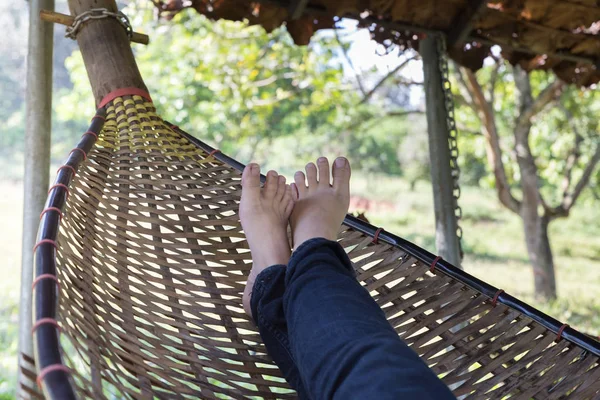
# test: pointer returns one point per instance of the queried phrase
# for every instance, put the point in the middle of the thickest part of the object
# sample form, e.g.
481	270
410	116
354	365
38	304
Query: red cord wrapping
44	321
433	264
82	152
173	127
495	299
45	276
52	242
52	209
99	116
59	185
129	91
376	236
67	167
48	369
560	332
94	134
212	153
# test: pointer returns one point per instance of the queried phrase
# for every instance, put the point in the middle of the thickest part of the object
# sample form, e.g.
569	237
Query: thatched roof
562	35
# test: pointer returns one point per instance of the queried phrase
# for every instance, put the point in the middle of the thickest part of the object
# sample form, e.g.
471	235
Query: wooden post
36	176
439	154
106	50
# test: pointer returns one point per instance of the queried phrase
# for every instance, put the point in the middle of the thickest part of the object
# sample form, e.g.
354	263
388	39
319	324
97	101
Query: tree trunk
539	252
535	222
532	209
535	225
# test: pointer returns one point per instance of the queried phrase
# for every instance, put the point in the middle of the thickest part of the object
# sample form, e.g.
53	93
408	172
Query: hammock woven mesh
152	262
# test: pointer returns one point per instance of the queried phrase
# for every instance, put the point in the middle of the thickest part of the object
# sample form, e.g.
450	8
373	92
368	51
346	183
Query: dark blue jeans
329	337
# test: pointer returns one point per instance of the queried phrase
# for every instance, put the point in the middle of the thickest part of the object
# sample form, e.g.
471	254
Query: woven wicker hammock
142	233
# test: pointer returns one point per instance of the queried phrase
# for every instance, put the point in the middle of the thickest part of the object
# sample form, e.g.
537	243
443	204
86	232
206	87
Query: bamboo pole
439	155
37	164
106	51
67	20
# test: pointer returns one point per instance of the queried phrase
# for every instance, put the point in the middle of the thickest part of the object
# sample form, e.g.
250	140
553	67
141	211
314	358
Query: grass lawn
493	242
11	211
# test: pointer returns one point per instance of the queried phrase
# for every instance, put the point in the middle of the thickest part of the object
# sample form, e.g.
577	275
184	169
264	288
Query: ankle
303	236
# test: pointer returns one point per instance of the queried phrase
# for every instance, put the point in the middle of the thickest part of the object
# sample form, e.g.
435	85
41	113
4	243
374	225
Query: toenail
340	162
322	160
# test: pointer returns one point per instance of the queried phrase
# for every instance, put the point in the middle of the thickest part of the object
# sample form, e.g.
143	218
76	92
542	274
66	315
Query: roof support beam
446	224
463	23
296	8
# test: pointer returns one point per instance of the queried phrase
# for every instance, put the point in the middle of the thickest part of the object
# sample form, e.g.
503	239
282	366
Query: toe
341	175
251	180
289	207
311	175
281	188
300	181
323	165
289	191
294	190
271	184
288	200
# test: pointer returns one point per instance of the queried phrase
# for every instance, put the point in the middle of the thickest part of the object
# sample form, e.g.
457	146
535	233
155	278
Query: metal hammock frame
141	230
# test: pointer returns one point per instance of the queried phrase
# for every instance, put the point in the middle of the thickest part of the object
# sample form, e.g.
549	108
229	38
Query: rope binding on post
128	91
98	13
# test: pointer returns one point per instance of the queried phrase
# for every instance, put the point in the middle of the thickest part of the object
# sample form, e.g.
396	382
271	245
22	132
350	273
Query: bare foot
264	213
320	207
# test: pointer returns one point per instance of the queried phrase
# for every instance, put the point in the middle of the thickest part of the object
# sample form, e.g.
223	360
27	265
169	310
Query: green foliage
414	151
12	75
552	136
13	49
247	91
231	83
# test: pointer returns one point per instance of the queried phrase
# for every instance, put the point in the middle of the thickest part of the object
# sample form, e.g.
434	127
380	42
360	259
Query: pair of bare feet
313	205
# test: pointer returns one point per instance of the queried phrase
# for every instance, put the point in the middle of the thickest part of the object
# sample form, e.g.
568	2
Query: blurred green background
259	97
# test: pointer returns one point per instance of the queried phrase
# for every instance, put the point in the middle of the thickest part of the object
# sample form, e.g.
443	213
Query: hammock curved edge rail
46	341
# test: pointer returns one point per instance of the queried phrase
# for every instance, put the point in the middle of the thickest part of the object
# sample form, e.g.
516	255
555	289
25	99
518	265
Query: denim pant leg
267	308
338	338
343	346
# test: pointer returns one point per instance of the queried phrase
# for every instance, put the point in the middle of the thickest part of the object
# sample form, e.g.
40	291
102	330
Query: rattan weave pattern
152	263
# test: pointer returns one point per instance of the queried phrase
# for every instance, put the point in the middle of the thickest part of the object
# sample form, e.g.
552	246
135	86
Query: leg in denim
329	337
